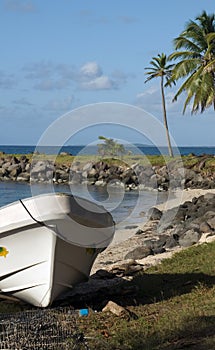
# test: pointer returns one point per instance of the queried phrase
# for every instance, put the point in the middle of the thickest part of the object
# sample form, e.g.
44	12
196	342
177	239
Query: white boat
48	244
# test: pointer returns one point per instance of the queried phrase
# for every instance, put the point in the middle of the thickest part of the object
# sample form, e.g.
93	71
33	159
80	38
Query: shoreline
126	239
179	198
183	196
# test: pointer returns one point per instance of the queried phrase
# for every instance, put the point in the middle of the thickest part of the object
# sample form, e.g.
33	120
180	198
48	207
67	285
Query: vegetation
172	308
189	161
195	53
110	148
195	65
161	69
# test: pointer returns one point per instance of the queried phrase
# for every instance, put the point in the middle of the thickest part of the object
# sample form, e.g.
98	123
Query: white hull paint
48	244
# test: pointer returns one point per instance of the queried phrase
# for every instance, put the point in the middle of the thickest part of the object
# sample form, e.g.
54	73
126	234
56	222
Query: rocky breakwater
165	233
190	223
14	169
101	173
193	222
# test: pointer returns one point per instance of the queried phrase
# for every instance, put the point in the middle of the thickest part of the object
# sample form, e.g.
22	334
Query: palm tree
161	69
195	50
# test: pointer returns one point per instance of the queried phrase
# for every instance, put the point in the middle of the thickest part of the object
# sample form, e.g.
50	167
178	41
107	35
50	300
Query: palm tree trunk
165	119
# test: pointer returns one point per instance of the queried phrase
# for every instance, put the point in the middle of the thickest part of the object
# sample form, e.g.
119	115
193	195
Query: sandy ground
125	240
183	196
176	198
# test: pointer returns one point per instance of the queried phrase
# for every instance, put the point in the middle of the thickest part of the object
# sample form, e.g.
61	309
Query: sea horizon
92	149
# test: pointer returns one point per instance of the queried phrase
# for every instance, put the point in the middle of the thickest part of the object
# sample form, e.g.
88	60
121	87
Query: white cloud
51	76
101	83
90	70
92	78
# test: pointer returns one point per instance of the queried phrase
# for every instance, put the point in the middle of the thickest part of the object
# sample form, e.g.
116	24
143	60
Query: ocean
75	150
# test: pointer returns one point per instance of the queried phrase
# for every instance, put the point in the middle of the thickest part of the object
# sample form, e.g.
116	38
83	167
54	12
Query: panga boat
48	244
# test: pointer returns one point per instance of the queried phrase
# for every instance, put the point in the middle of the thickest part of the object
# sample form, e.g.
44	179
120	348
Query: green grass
189	161
175	306
69	159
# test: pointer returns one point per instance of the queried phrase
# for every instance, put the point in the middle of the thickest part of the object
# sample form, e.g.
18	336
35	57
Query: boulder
114	309
154	214
211	223
189	238
138	253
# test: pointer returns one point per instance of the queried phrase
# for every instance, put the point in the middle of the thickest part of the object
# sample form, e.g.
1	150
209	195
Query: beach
127	239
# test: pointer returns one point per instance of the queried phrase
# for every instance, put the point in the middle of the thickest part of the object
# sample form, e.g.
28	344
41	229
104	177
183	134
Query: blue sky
59	55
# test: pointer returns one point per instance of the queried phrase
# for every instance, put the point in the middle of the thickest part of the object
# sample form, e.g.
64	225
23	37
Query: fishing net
49	329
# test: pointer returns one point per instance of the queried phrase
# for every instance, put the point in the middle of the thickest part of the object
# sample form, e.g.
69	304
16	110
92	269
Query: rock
204	227
157	245
130	227
65	154
127	268
100	183
59	174
75	178
3	172
38	167
87	167
13	167
180	214
209	214
189	238
154	214
134	177
23	177
92	173
172	242
139	231
167	220
103	274
138	253
114	309
6	165
158	250
209	197
211	223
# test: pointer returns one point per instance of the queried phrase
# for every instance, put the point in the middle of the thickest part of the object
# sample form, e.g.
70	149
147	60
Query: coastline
126	239
182	196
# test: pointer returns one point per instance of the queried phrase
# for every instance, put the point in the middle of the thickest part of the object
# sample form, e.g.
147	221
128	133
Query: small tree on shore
110	148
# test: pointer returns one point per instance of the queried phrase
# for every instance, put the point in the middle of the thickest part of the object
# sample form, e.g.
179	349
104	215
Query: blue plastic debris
83	312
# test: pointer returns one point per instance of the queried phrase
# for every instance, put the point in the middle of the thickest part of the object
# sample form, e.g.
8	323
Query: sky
61	55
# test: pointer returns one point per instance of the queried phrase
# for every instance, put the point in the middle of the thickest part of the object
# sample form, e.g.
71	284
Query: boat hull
46	254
